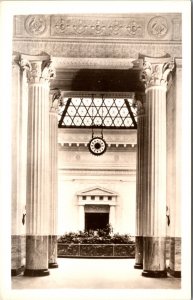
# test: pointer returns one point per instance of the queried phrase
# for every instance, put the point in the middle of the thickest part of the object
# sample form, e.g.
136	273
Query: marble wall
115	170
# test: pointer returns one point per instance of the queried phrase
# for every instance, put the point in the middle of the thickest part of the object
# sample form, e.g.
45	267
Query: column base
176	274
36	256
154	257
138	266
154	274
174	268
18	253
36	273
52	265
138	252
16	272
52	252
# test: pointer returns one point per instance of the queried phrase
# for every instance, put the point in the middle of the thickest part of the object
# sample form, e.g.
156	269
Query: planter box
96	250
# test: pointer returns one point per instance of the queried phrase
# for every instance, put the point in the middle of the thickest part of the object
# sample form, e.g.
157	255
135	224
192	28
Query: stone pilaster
139	186
53	121
39	72
155	76
112	216
81	217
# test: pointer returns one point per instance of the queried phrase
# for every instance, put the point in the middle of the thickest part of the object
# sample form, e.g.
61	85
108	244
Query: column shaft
155	74
17	161
155	207
174	143
52	244
38	159
37	181
139	190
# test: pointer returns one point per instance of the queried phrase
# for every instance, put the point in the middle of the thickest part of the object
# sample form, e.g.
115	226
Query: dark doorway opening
94	221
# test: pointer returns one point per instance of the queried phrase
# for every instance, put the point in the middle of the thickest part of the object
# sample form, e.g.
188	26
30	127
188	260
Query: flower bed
96	250
101	243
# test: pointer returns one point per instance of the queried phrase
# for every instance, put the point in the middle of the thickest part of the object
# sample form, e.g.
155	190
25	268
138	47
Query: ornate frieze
96	50
62	25
127	26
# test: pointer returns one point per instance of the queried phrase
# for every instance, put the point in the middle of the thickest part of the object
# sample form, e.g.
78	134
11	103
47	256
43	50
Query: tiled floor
76	273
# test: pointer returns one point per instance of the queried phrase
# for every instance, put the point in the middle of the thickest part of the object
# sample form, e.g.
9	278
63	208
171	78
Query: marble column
155	76
139	186
17	164
174	169
52	243
39	73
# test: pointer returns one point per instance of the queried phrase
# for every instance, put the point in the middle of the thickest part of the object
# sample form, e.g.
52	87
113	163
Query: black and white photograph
95	150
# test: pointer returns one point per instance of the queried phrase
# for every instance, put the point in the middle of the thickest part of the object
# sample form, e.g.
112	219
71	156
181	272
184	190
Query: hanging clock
97	146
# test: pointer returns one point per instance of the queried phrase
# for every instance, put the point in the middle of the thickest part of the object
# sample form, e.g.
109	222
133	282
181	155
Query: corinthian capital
155	71
39	69
48	70
140	107
24	64
55	99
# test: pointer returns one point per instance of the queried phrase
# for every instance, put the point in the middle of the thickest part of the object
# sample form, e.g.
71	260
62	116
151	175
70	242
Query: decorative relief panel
87	26
125	36
130	26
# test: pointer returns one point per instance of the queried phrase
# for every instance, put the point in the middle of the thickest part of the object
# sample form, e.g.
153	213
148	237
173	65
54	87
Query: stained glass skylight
97	113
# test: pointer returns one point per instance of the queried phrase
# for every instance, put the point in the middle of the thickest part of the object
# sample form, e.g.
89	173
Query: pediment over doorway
97	191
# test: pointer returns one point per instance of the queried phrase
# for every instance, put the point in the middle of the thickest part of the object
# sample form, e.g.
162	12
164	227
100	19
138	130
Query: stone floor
76	273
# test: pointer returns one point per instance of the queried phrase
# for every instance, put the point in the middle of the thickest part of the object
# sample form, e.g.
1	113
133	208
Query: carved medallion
158	27
116	28
61	26
35	25
80	27
98	27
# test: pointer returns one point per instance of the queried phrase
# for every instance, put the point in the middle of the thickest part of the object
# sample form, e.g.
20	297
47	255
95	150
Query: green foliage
100	236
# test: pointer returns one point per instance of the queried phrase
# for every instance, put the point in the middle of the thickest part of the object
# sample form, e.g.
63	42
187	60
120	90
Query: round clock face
97	146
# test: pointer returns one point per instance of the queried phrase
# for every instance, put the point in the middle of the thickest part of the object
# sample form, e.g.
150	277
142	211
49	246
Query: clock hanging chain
92	116
102	117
